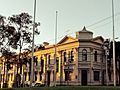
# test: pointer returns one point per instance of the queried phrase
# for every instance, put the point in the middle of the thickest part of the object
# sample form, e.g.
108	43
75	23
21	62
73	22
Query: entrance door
84	77
48	78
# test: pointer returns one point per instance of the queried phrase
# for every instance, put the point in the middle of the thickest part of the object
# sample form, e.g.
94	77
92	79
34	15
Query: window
67	76
29	75
95	56
48	59
72	56
65	58
42	65
30	64
40	76
96	75
69	58
84	55
0	77
53	76
109	74
8	77
35	76
57	64
25	75
11	76
35	60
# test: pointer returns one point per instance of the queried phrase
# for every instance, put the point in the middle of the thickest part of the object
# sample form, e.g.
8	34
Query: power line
100	21
103	20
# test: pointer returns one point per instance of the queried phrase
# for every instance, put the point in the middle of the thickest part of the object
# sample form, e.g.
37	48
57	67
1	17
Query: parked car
39	85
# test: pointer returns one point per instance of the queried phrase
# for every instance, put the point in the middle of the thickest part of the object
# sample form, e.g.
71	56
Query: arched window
84	55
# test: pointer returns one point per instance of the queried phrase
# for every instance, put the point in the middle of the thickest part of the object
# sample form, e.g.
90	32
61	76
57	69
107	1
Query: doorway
84	77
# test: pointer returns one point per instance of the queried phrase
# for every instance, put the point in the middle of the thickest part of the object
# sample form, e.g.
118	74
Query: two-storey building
79	61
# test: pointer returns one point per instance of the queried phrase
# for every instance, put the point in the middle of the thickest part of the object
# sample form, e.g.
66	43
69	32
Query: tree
23	25
117	57
16	33
6	54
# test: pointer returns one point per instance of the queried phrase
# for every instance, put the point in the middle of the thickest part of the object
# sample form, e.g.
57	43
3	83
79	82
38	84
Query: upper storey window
72	56
95	56
65	57
48	59
84	55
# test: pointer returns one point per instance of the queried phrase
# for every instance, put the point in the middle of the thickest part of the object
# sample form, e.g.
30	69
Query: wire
103	20
100	21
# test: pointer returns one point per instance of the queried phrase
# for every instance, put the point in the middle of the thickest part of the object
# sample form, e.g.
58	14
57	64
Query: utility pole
55	50
32	71
114	66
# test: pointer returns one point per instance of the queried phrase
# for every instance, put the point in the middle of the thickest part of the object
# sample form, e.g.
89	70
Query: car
39	85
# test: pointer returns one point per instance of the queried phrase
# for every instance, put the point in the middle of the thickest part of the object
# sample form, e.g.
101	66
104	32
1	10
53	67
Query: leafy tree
21	31
16	33
117	56
6	54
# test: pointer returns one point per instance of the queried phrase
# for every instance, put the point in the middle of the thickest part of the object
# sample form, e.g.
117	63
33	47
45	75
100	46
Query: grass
68	88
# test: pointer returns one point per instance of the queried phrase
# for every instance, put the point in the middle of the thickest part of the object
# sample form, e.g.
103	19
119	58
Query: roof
67	39
98	37
85	31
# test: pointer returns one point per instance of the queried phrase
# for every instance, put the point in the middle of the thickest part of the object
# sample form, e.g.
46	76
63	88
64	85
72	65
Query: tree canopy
16	31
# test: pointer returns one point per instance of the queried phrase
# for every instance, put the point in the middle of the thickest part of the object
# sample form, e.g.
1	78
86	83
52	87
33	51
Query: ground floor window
68	75
40	76
25	75
11	76
96	75
35	76
29	75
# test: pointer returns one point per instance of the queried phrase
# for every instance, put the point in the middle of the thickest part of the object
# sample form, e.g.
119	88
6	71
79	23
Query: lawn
68	88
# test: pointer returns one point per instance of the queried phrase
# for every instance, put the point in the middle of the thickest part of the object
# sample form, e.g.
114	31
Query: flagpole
32	71
114	66
55	50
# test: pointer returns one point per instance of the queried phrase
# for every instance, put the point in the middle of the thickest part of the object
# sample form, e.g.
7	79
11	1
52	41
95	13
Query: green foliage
16	30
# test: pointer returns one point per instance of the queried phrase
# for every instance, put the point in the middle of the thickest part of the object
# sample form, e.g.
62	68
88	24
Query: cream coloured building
80	60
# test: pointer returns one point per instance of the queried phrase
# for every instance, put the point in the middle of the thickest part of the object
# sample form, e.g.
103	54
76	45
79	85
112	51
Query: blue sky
73	15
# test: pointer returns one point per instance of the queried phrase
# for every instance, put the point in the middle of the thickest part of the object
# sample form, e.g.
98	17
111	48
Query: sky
73	15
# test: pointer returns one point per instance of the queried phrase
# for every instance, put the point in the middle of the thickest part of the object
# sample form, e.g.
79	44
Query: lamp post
55	50
106	48
114	66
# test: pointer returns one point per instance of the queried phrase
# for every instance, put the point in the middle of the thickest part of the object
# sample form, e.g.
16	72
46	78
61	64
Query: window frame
84	55
96	76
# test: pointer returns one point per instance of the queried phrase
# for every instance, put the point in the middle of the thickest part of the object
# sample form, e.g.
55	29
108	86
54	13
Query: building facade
79	61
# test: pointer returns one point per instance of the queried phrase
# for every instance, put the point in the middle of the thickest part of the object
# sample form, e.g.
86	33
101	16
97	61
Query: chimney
45	43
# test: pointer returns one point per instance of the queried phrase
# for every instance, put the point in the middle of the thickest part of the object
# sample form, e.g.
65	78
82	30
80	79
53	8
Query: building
79	61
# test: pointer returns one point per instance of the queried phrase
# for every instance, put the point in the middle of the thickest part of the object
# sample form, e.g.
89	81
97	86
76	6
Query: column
75	68
45	69
61	74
